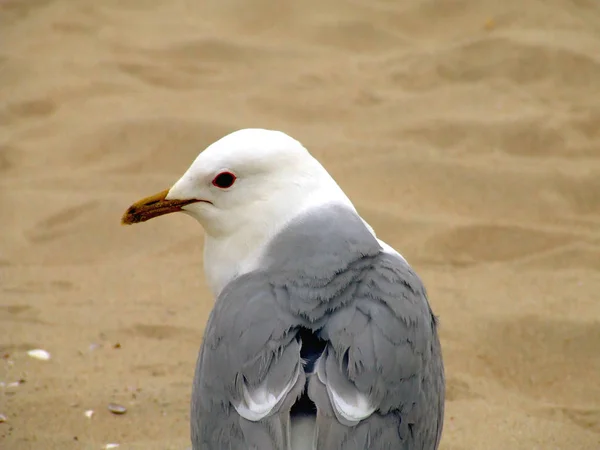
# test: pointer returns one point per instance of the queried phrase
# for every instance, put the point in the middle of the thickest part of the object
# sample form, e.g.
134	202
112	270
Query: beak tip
129	218
150	207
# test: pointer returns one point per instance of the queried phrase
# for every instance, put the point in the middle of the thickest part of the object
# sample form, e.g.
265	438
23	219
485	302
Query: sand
466	132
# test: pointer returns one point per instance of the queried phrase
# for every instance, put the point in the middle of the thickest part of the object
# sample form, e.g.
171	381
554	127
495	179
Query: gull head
243	189
249	177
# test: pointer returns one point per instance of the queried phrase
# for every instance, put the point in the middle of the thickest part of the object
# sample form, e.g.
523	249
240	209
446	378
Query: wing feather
249	372
381	378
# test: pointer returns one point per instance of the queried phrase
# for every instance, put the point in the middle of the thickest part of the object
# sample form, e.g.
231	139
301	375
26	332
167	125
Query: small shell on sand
109	446
40	354
3	418
89	413
116	409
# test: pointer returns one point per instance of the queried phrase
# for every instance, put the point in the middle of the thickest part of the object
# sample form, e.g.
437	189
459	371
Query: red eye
224	180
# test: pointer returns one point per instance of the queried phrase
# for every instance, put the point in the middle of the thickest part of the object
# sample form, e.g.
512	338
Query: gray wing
249	372
380	382
378	385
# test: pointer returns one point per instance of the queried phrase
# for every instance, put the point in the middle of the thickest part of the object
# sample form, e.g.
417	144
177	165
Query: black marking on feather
312	348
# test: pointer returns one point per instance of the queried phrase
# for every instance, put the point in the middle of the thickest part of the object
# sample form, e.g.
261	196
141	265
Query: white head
243	189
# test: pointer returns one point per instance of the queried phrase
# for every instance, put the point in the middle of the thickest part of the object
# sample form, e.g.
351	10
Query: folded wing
380	382
249	373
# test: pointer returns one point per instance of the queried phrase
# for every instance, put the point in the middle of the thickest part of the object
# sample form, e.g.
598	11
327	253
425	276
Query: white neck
231	255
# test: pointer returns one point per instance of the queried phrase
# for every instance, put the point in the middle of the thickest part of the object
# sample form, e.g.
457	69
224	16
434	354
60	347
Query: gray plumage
328	275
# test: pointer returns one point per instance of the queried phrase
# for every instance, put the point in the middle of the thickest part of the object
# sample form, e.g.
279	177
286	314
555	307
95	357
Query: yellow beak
153	206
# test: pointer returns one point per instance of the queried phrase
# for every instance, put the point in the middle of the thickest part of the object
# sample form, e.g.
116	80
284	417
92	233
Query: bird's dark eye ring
224	180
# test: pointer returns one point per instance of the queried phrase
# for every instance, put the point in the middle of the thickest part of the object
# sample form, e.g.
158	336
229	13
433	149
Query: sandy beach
466	132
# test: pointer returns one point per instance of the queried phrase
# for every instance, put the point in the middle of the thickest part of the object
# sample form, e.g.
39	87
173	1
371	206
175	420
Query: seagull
321	336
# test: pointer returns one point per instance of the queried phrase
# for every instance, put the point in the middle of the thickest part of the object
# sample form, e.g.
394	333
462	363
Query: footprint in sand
475	244
189	65
62	222
161	332
550	360
586	418
153	140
